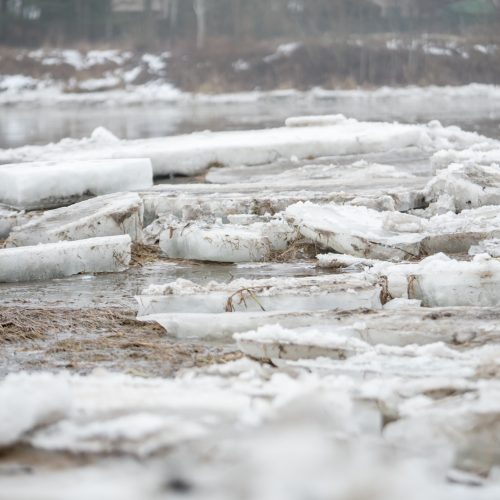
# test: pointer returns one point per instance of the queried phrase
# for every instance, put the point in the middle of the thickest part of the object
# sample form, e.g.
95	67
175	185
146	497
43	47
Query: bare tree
200	9
3	19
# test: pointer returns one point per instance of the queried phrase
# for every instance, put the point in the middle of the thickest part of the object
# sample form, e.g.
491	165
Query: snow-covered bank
24	91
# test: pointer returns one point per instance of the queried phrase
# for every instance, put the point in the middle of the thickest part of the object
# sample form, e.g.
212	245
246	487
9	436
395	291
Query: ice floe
52	184
225	242
365	233
194	153
273	294
57	260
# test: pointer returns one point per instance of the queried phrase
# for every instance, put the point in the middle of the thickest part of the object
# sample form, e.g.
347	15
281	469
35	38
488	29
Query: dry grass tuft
31	324
144	254
298	250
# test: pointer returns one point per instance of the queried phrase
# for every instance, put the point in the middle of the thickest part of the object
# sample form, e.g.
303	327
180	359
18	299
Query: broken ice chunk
365	233
57	260
339	343
491	247
465	186
41	185
8	220
356	231
274	294
27	402
275	342
468	427
225	242
108	215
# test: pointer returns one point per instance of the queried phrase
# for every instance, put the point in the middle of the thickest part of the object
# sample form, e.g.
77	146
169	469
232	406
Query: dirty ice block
225	242
108	215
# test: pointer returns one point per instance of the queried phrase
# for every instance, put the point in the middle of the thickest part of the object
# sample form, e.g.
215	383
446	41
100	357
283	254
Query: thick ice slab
336	175
108	215
365	233
192	154
225	242
224	325
274	294
199	201
57	260
352	333
51	184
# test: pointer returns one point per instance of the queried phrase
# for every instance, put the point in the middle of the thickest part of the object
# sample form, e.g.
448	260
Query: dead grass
298	250
29	324
86	339
144	254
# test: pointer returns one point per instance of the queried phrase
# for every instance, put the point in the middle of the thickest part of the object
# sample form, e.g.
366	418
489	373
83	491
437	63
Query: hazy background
57	52
33	22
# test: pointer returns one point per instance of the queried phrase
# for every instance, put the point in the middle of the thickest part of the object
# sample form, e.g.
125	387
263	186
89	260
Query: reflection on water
21	126
119	289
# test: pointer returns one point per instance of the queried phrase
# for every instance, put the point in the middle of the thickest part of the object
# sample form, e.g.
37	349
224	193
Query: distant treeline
144	22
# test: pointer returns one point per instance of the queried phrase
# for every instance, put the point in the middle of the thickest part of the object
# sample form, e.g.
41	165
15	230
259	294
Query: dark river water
22	125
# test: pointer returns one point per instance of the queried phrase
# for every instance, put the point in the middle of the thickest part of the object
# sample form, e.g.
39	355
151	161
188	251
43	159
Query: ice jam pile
363	295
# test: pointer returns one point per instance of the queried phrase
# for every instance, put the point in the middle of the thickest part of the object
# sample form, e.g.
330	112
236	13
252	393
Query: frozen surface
51	184
192	154
108	215
56	260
